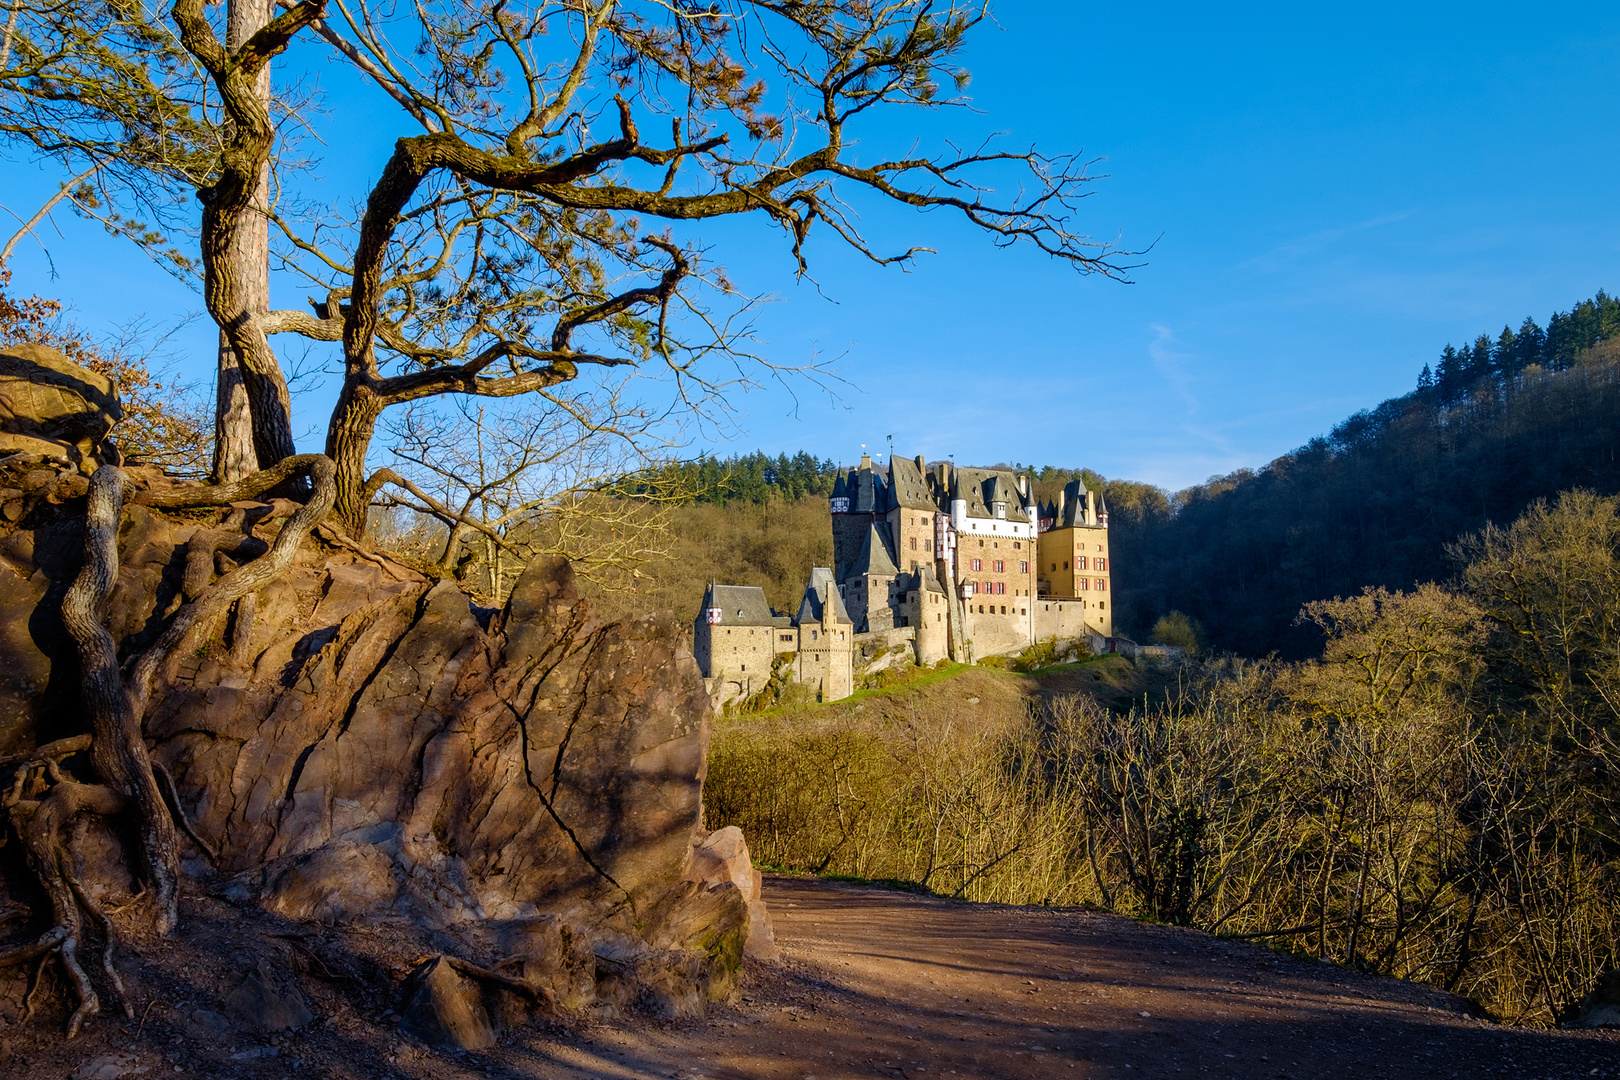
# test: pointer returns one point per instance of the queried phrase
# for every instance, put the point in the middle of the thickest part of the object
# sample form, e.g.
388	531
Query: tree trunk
118	751
253	409
354	421
234	455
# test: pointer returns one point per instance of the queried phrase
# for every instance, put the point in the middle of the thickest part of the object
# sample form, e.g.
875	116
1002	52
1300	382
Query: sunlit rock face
361	743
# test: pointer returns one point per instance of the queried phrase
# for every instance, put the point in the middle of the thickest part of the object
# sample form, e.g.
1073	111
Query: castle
949	562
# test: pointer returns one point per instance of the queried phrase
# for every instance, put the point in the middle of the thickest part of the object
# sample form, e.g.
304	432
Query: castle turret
929	613
838	501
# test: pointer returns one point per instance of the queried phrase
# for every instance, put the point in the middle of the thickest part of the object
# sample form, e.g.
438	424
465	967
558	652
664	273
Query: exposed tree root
50	810
172	793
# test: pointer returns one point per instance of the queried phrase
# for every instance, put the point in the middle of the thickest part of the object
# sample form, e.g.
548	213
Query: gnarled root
49	810
44	826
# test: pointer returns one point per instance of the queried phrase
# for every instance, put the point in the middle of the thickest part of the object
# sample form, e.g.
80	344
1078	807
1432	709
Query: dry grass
1405	845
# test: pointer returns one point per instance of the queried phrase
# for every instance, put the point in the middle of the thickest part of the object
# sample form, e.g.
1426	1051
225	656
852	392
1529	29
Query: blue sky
1333	194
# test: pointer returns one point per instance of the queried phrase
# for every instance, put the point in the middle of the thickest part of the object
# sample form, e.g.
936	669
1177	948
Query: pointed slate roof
926	580
875	556
1074	503
821	594
839	489
1002	492
868	490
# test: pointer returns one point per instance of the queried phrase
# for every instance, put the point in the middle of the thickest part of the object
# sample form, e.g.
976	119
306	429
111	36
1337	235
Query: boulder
1600	1008
444	1008
723	857
337	881
265	1003
52	406
553	956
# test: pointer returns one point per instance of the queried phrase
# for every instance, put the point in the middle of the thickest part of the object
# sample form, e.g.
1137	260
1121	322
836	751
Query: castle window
1102	605
1065	564
981	539
1004	609
1001	588
1001	566
1102	584
1102	563
928	545
978	564
1018	545
1080	562
913	543
1023	566
813	635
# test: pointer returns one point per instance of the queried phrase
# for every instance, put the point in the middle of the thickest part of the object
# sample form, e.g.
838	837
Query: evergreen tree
1477	363
1448	375
1425	380
1504	354
1529	346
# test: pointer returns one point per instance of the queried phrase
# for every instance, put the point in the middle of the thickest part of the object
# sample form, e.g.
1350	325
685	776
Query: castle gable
980	488
908	487
738	605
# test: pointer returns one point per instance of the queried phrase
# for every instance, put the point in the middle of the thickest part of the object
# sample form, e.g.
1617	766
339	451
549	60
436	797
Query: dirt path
878	983
873	983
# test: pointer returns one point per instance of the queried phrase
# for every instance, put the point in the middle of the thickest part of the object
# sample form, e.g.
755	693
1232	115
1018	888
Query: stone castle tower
956	553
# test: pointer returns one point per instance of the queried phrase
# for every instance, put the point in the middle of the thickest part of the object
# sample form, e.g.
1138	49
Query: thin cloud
1289	252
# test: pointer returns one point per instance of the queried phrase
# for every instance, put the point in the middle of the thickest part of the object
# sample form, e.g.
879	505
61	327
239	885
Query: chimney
922	466
1062	499
866	461
1091	507
1023	486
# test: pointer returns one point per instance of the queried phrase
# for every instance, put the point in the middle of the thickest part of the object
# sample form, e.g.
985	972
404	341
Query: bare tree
501	250
542	475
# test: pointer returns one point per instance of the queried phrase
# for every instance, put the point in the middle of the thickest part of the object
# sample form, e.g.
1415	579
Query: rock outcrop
723	857
359	742
51	406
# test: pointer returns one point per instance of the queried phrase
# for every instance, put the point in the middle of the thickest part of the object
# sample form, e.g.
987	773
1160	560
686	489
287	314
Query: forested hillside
771	543
1492	426
1503	423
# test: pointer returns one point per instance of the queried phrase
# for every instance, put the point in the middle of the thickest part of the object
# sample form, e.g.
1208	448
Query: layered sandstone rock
358	742
50	405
